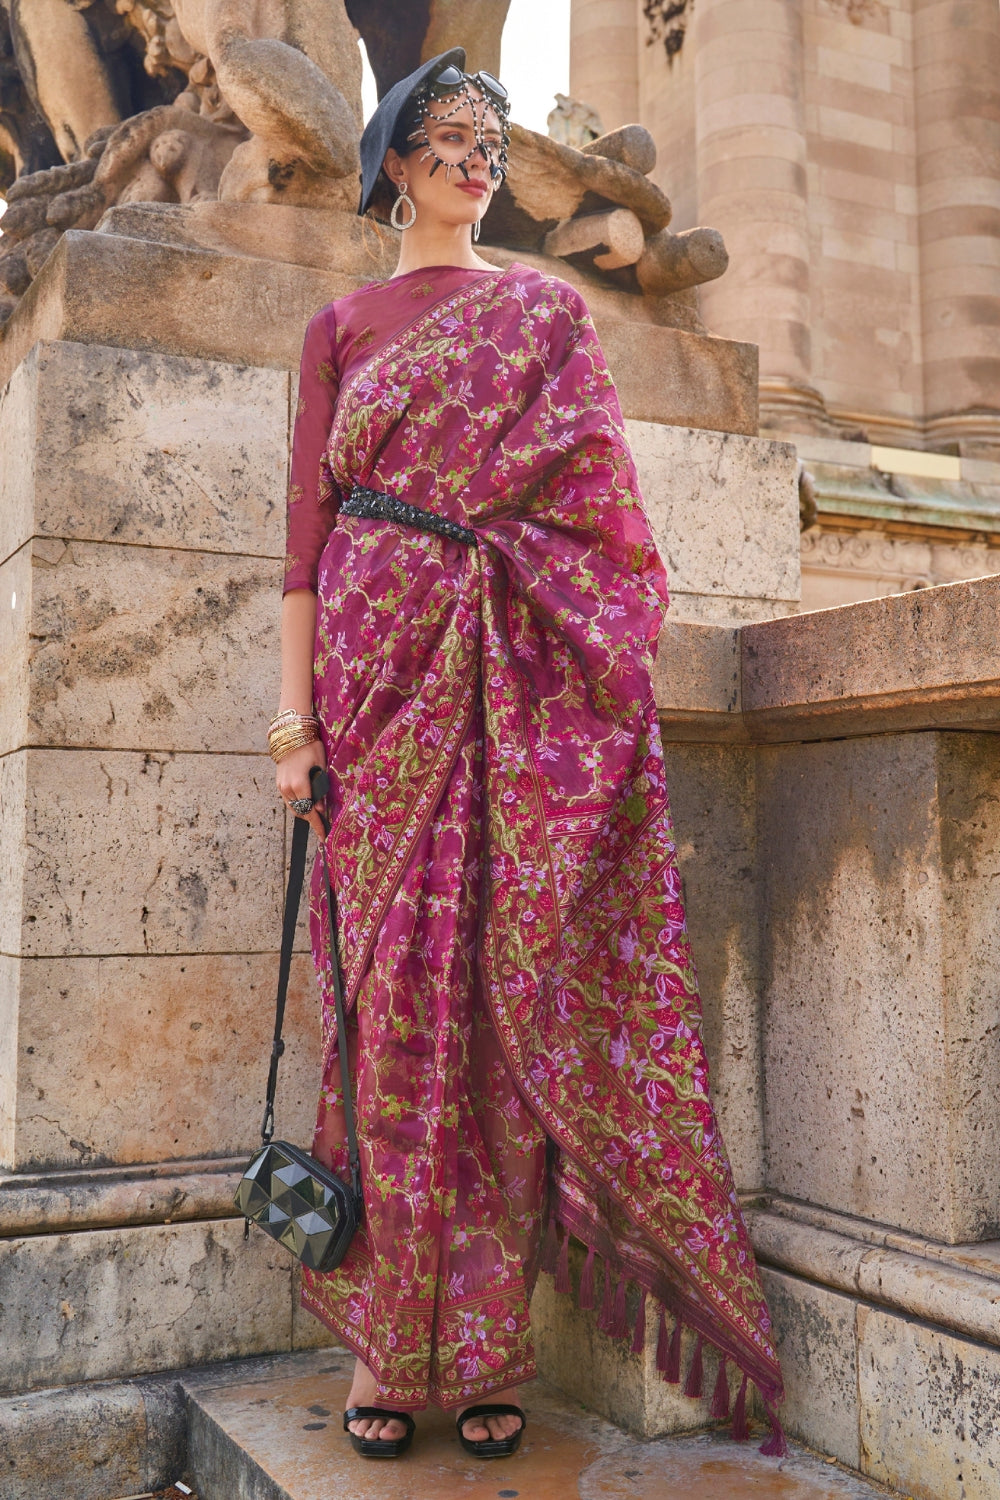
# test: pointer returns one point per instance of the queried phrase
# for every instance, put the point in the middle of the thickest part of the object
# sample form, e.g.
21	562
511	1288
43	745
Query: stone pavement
275	1434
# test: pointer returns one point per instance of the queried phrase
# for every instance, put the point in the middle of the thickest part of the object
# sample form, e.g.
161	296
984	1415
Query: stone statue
573	123
261	104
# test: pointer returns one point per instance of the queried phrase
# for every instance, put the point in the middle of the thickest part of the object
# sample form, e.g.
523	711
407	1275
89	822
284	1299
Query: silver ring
301	805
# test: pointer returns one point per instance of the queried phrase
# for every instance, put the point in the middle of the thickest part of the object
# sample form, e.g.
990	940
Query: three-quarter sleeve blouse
313	497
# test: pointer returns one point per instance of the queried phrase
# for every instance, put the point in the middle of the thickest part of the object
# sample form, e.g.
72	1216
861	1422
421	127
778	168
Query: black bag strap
293	894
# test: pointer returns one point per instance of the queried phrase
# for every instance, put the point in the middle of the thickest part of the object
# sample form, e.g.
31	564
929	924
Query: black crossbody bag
288	1193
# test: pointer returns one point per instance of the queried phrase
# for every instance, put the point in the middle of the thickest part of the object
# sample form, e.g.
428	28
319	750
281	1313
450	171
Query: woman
472	605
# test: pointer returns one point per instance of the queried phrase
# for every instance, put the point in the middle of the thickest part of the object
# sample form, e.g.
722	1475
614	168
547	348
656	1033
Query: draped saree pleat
525	1020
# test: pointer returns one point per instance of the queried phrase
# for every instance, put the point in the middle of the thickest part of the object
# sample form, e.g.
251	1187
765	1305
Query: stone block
928	1405
684	379
18	427
244	311
126	646
307	1330
724	510
126	445
137	1059
814	1332
9	966
15	643
728	609
878	860
125	852
13	833
92	1441
712	791
163	1192
696	679
930	658
95	1305
602	1374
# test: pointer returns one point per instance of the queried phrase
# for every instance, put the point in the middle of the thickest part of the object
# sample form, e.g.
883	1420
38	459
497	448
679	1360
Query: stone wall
834	780
849	151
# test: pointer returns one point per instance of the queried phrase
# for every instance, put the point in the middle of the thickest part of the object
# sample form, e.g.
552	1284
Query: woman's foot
478	1429
363	1394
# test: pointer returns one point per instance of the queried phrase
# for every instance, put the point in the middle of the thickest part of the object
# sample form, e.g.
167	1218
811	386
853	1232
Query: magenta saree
525	1029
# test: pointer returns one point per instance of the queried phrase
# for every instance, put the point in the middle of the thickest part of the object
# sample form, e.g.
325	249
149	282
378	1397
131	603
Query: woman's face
446	194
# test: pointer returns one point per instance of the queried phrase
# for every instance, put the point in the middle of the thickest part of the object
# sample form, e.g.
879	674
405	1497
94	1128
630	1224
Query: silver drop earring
404	197
475	230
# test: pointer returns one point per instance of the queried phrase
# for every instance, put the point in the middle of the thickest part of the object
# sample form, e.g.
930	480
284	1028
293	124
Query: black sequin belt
378	506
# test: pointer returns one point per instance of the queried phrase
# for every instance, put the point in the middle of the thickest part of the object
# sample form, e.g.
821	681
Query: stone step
275	1434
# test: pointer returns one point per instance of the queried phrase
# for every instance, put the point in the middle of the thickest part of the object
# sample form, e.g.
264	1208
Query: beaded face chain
459	94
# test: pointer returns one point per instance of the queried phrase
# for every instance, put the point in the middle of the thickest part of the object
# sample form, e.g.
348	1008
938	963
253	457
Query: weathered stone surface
126	646
92	1441
928	1406
120	445
15	614
307	1330
724	609
696	678
242	311
130	852
168	1058
683	379
814	1331
18	430
105	1197
879	937
603	1375
911	661
8	1052
712	791
274	1434
724	510
14	802
327	239
95	1305
207	306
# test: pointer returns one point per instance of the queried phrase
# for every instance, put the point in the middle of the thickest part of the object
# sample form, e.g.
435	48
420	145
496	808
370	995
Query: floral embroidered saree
524	1029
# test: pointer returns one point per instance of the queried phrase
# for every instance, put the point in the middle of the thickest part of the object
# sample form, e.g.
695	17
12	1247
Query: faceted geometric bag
291	1196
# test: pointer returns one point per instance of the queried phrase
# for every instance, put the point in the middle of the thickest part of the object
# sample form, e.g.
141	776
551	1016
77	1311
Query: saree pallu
525	1021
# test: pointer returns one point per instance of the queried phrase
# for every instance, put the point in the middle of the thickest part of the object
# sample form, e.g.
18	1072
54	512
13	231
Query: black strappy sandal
491	1447
379	1447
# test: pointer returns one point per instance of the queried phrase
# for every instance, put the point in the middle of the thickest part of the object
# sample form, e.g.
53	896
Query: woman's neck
439	245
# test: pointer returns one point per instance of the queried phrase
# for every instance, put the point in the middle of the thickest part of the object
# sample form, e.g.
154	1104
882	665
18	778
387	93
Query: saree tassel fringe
639	1332
776	1445
550	1248
720	1396
562	1266
696	1375
586	1297
612	1319
740	1429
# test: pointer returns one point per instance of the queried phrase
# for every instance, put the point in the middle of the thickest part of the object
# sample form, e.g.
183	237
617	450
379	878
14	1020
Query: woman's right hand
293	781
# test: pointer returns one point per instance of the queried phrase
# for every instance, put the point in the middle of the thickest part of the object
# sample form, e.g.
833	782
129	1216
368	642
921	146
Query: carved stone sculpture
261	105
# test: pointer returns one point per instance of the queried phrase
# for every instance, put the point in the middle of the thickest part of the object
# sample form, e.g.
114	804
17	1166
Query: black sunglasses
451	78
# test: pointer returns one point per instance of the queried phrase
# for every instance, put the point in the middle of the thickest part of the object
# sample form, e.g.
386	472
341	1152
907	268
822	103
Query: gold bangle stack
289	731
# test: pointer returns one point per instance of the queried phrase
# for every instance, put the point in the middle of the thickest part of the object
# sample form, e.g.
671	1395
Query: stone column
957	86
604	58
751	158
